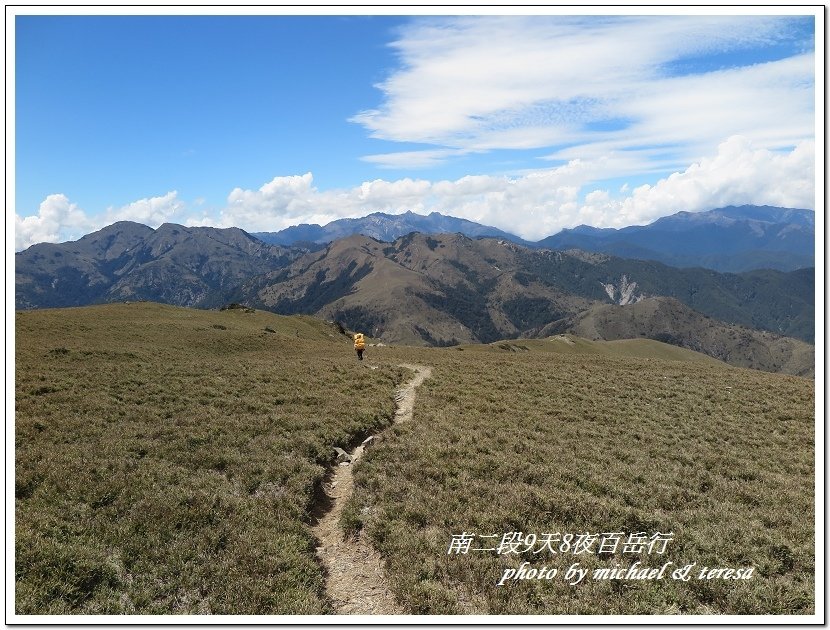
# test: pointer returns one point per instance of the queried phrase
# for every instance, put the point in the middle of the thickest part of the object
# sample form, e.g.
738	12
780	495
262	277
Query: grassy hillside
166	461
621	348
507	440
166	458
667	319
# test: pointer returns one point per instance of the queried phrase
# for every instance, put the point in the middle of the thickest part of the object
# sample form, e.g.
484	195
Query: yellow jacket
359	343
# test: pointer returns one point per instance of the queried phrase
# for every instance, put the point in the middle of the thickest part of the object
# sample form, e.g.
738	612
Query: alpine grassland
166	459
171	460
524	448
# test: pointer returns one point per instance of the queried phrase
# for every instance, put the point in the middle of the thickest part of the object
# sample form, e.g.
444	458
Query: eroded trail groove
355	580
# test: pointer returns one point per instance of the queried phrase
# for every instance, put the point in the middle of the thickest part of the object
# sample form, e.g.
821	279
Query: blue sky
113	109
530	124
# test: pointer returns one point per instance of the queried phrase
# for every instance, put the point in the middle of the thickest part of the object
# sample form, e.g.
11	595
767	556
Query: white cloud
604	97
57	220
479	84
738	174
532	205
540	203
285	199
411	159
153	211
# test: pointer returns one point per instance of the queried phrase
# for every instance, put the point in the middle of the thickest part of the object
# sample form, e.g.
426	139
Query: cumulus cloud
540	203
479	84
532	205
152	211
57	220
287	198
599	99
738	174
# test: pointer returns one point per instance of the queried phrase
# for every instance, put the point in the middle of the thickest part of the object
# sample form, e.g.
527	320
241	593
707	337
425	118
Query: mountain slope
726	239
172	264
449	289
670	321
780	302
75	273
161	450
420	289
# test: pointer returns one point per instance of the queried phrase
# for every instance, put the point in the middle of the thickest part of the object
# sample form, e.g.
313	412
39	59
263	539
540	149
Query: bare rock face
624	293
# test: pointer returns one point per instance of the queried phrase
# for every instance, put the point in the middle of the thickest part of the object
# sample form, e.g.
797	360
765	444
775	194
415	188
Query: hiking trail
355	579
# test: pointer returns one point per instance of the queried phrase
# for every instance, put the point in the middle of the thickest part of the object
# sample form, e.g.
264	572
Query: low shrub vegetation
549	441
166	459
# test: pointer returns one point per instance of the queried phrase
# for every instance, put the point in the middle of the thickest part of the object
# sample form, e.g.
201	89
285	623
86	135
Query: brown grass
166	459
534	442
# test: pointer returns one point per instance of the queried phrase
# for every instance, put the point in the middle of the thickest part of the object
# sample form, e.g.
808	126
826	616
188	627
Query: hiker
359	345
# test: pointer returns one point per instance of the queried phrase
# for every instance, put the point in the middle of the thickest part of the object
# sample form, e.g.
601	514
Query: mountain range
437	289
727	239
448	289
735	238
382	227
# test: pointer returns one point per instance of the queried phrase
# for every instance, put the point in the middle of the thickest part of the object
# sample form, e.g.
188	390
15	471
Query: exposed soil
355	580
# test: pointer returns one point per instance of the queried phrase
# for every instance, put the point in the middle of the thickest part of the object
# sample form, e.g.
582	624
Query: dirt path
355	580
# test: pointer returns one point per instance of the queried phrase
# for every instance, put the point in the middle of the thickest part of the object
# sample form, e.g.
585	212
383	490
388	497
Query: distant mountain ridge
383	227
726	239
173	264
734	238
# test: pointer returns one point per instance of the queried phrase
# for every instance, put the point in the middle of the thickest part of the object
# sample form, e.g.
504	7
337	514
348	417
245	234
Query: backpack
359	343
